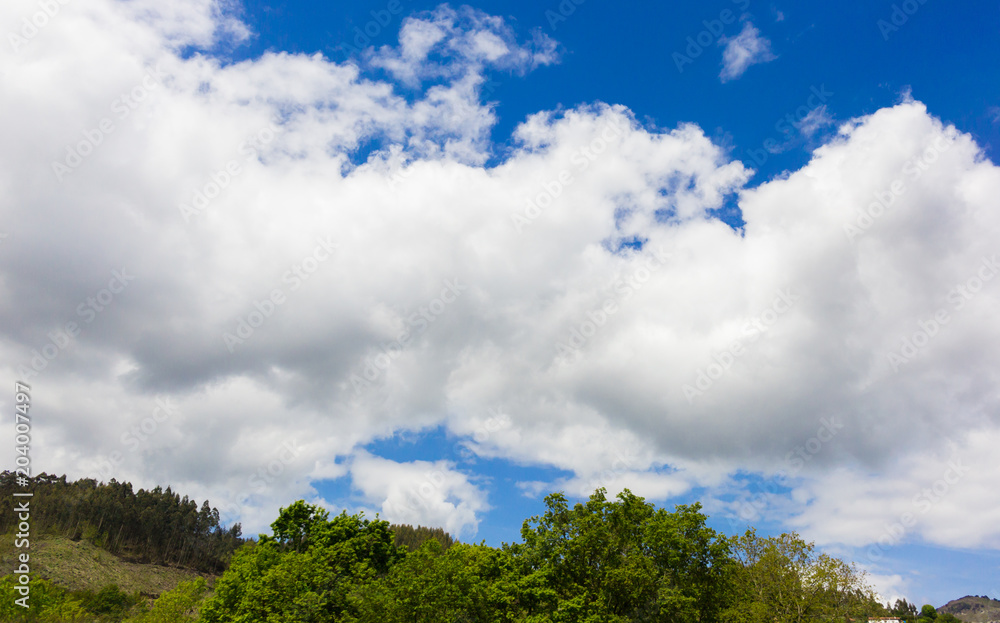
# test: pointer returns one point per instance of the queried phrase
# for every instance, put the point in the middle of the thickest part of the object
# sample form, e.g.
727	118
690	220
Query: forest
601	561
156	526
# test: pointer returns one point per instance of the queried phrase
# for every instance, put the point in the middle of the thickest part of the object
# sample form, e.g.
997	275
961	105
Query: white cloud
586	346
890	588
469	39
745	49
941	495
420	493
817	119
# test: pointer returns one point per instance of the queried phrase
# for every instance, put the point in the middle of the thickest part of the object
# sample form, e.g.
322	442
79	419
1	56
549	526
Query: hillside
972	609
79	565
156	526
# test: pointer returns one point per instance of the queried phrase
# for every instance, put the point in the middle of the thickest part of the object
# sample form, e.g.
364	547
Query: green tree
110	601
602	561
412	538
305	571
620	560
154	526
426	586
783	580
177	606
904	610
296	524
47	602
464	583
928	614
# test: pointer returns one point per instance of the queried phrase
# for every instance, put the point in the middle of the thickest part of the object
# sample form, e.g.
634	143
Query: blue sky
624	55
851	56
734	252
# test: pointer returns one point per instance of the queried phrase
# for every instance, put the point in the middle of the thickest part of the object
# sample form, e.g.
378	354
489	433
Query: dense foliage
51	603
411	538
928	613
784	579
157	526
603	561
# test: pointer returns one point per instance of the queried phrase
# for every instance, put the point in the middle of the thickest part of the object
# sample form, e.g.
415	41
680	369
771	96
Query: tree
48	602
177	606
305	571
928	613
619	561
602	561
110	601
430	585
412	538
782	580
296	524
904	610
154	526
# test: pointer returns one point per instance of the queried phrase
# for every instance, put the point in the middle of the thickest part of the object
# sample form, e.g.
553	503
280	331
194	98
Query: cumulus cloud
447	42
890	588
940	495
745	49
420	492
298	259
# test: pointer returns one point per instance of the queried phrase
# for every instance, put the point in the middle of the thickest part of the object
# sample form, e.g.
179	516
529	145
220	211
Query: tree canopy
618	560
156	526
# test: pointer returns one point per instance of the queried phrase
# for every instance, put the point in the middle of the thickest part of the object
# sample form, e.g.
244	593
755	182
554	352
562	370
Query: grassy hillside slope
79	565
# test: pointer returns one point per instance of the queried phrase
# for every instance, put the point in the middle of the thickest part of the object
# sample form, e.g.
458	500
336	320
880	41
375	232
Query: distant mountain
972	609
